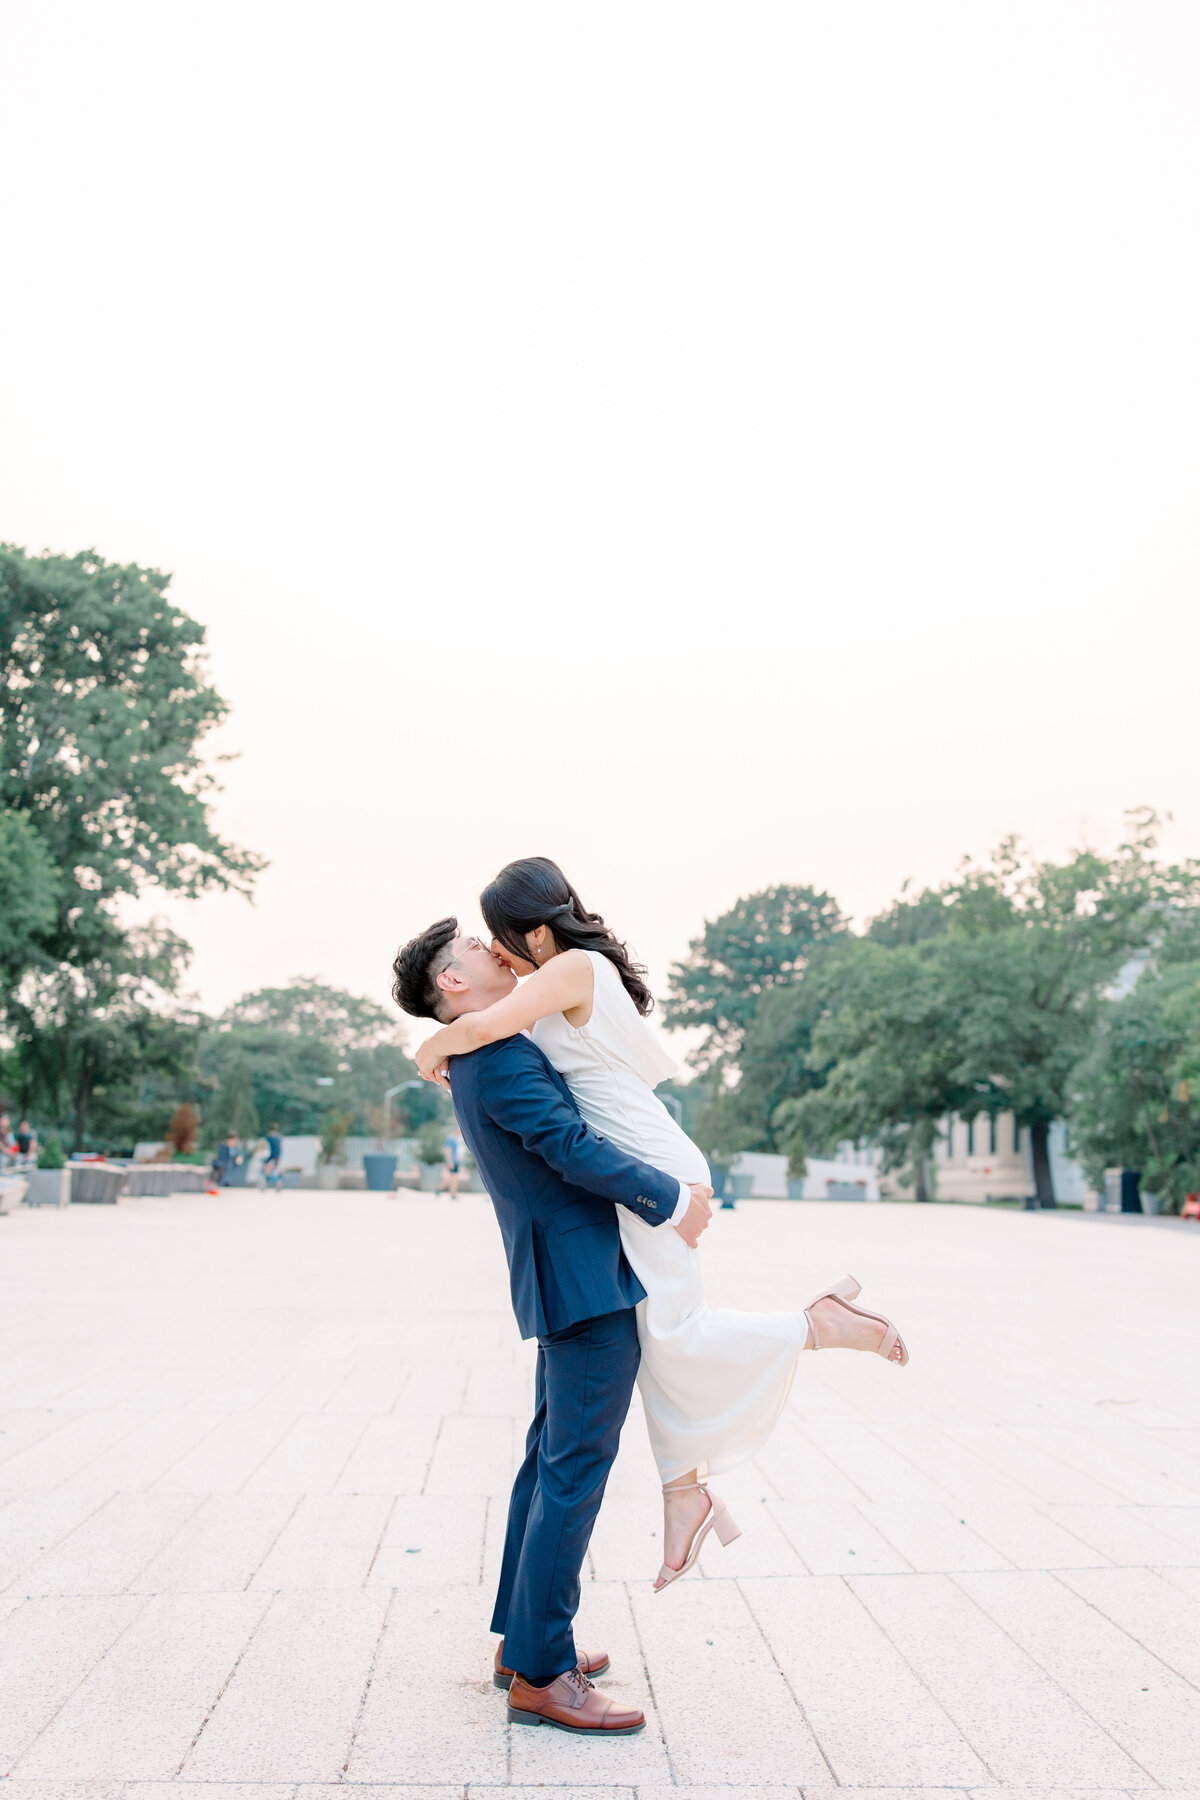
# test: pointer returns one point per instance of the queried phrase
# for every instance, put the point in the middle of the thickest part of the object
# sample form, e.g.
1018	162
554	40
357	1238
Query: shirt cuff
684	1201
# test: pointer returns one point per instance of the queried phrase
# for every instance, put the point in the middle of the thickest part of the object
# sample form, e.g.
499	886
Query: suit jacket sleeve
519	1095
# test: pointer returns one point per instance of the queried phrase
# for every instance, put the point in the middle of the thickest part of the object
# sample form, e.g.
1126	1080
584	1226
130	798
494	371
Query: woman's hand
432	1066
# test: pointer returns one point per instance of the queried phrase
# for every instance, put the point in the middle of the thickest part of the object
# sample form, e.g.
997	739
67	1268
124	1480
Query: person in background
453	1162
229	1156
26	1139
271	1168
8	1143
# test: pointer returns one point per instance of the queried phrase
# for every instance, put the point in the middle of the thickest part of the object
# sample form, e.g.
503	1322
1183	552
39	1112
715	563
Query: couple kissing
601	1199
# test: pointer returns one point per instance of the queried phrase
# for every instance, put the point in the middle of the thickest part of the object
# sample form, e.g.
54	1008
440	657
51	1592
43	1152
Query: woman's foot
840	1328
684	1511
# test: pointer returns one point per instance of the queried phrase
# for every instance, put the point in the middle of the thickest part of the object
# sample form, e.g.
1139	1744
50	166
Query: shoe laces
580	1682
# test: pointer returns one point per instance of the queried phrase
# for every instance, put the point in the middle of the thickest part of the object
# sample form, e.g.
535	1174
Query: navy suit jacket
553	1182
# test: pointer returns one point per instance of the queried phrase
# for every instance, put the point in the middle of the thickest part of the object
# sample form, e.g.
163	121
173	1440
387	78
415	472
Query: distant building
983	1158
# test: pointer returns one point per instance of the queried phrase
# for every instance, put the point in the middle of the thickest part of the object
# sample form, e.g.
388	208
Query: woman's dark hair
534	891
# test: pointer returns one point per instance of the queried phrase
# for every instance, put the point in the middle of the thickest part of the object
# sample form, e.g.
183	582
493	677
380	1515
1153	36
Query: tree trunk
83	1094
1043	1180
919	1173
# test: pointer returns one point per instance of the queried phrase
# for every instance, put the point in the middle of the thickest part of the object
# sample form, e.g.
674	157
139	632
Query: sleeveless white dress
713	1381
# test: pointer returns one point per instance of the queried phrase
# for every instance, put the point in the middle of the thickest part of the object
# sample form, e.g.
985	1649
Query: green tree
233	1107
1135	1099
1008	965
104	701
887	1045
762	942
30	889
88	1041
306	1007
309	1047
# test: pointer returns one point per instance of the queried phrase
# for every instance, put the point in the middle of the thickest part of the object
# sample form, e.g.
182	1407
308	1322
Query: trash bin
1121	1190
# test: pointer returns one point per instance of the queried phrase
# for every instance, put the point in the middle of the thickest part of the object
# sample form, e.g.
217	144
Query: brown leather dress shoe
591	1663
571	1703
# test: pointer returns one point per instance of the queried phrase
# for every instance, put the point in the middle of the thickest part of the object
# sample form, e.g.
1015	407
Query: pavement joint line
86	1676
783	1676
1053	1679
437	1438
378	1547
250	1579
362	1705
166	1544
1056	1575
237	1663
637	1638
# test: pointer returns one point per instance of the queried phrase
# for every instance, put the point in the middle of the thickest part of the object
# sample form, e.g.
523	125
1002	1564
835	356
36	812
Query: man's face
475	977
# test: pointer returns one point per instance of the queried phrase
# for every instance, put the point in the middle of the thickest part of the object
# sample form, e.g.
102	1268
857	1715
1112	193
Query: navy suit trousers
585	1377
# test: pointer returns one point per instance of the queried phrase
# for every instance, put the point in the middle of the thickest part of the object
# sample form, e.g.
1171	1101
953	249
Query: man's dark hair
417	967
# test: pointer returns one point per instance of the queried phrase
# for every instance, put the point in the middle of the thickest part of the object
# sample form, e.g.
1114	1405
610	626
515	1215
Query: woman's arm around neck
563	985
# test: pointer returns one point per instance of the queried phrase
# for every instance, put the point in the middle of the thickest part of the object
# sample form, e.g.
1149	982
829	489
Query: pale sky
706	445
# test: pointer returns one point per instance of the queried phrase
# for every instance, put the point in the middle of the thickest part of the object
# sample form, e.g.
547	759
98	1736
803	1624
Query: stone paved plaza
253	1467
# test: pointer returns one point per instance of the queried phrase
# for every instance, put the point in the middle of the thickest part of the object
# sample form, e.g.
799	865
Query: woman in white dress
713	1381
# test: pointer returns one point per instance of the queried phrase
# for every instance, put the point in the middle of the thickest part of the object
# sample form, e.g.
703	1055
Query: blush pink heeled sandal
718	1518
844	1291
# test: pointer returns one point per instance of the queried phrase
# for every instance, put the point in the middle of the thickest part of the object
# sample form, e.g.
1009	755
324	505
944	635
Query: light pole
398	1089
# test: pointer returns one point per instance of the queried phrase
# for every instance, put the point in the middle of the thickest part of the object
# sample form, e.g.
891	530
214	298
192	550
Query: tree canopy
104	702
762	942
982	994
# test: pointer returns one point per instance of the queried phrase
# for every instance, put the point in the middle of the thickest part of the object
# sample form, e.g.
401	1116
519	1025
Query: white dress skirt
713	1381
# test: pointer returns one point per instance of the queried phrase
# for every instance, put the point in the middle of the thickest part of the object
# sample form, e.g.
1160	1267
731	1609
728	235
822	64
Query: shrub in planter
50	1182
789	1136
50	1153
431	1154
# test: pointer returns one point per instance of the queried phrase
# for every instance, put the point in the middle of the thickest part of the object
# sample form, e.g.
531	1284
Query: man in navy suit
554	1183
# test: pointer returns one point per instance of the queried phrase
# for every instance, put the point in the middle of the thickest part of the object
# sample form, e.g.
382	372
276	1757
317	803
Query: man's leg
589	1376
522	1494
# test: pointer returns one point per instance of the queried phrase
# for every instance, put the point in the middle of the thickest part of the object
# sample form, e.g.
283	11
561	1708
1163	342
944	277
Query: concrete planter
12	1192
96	1184
327	1175
431	1177
741	1186
380	1171
49	1187
157	1180
795	1187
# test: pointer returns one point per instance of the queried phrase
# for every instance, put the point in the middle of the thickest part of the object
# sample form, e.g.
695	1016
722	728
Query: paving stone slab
431	1712
835	1538
225	1459
311	1457
876	1723
330	1541
311	1357
1031	1537
106	1552
31	1525
1148	1710
1017	1720
391	1457
139	1711
220	1547
758	1733
432	1538
289	1708
47	1647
